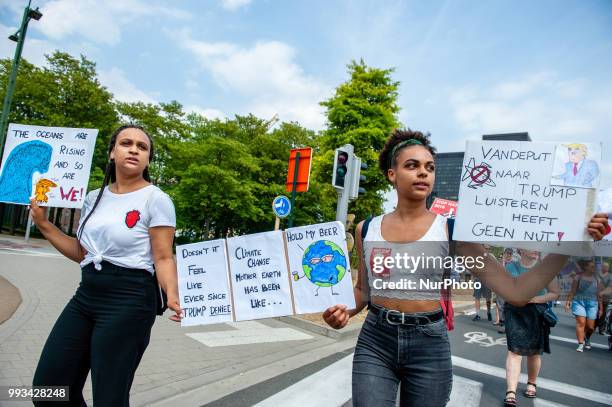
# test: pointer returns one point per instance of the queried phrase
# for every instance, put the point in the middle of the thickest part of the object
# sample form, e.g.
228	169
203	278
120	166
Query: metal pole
294	188
343	194
28	227
8	97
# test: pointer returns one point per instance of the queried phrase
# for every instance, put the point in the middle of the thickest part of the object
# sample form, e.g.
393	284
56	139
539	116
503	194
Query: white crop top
118	229
417	279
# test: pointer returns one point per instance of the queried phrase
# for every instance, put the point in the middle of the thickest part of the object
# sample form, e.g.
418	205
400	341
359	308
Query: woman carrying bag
124	242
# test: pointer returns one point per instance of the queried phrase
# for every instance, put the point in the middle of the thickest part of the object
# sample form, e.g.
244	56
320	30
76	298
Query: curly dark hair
386	161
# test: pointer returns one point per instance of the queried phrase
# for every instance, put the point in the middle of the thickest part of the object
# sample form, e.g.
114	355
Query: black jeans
417	356
104	328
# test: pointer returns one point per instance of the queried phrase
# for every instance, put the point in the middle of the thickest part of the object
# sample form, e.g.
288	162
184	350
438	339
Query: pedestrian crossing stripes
331	386
248	332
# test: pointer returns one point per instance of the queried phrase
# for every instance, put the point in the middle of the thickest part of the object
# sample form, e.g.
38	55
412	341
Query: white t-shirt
118	229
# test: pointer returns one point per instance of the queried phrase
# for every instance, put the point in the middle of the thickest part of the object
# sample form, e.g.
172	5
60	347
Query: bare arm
362	288
165	266
337	316
552	293
515	290
66	245
519	290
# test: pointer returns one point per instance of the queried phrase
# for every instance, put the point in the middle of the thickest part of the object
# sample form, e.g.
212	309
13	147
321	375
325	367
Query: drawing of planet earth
324	263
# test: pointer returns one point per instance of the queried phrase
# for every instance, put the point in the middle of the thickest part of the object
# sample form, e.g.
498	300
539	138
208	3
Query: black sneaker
476	318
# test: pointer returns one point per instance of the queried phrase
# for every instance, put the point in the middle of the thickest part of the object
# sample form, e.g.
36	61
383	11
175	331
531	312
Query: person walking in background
499	301
482	292
605	280
526	333
585	303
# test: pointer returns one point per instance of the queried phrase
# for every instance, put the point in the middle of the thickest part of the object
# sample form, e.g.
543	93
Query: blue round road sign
281	206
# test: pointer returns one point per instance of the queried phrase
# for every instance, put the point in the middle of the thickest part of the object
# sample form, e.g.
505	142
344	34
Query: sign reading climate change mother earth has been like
50	164
259	276
506	195
203	284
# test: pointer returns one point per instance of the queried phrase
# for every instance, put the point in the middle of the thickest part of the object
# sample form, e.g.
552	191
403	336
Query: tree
166	123
65	93
362	112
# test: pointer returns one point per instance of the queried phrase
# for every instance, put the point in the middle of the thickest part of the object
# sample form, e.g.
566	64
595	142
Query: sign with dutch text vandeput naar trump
506	194
50	164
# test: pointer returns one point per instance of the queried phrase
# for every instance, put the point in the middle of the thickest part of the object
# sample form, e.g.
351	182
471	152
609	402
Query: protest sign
259	276
51	164
203	283
319	265
506	195
444	207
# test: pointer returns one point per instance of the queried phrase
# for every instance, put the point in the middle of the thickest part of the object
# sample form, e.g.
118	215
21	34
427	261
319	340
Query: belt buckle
394	323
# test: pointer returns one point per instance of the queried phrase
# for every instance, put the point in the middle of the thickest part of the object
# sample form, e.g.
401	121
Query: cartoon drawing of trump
579	170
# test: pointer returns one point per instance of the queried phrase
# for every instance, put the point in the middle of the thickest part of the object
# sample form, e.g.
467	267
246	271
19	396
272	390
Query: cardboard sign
204	289
506	195
259	276
51	164
319	264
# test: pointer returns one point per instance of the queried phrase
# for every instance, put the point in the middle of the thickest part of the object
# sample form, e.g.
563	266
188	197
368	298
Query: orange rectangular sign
303	176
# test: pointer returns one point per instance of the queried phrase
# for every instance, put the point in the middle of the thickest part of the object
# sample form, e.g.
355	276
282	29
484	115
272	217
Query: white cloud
209	113
97	21
266	74
122	89
233	5
34	50
543	104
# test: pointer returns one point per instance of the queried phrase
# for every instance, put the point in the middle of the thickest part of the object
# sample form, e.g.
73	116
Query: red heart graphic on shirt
131	218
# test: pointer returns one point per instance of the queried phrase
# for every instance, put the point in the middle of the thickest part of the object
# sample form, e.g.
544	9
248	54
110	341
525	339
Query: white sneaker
587	344
580	347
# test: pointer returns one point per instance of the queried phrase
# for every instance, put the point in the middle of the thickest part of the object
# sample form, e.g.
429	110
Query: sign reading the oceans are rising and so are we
527	191
50	164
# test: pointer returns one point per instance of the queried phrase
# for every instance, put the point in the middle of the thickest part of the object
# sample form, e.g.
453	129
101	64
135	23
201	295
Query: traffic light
357	178
340	172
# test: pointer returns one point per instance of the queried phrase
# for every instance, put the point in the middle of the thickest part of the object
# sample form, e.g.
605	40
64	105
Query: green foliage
362	113
65	93
221	174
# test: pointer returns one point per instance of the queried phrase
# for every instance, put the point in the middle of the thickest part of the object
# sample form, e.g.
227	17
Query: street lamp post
19	38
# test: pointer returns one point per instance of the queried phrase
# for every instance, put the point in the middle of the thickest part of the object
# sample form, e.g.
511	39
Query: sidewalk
174	362
177	366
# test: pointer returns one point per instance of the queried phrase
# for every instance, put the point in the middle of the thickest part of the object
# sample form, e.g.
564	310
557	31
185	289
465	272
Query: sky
465	68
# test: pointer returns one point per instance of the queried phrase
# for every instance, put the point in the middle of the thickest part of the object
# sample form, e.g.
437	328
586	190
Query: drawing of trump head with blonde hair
576	151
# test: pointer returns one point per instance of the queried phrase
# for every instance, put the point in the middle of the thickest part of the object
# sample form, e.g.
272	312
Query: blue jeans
418	357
